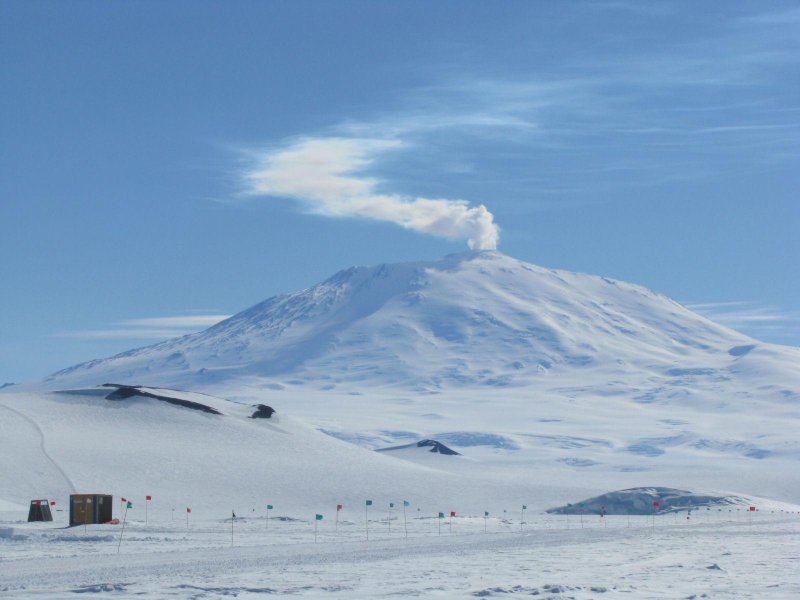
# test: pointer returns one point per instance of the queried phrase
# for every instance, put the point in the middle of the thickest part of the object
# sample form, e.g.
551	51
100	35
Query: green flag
369	502
319	517
486	513
441	515
391	504
269	506
524	507
130	504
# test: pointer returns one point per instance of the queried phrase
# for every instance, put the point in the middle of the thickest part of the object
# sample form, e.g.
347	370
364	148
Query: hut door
78	511
82	511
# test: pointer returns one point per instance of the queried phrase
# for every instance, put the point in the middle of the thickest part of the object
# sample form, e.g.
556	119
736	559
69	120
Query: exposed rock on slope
640	501
427	445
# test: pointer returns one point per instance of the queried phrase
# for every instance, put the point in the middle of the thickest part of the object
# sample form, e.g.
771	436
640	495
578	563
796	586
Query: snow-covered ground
56	443
712	556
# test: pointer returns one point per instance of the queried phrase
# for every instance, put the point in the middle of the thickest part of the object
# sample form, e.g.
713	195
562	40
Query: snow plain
710	557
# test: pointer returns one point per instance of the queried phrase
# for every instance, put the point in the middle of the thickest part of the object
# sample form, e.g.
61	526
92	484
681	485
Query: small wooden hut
86	509
40	511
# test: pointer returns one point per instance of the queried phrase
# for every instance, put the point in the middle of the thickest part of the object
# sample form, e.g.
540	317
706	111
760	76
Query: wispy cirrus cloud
194	321
752	318
783	18
579	126
149	328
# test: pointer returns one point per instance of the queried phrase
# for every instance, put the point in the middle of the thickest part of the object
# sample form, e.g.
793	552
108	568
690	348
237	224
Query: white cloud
189	321
326	174
125	334
151	328
752	318
787	18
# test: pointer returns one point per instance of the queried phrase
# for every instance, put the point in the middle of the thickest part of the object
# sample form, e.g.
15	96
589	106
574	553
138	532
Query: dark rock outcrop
124	392
431	445
263	412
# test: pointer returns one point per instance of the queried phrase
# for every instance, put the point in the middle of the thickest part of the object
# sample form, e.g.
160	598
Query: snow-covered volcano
470	319
532	374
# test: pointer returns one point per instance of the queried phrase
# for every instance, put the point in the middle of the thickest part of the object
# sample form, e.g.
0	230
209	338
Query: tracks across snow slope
50	488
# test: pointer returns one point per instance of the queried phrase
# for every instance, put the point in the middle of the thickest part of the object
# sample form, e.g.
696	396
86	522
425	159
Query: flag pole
405	521
124	518
367	504
233	517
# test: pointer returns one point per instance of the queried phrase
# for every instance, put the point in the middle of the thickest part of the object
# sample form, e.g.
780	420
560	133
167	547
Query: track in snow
42	447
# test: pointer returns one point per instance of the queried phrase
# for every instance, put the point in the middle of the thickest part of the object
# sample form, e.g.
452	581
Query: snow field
723	558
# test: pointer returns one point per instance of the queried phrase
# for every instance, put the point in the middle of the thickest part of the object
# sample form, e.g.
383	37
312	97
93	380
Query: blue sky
165	164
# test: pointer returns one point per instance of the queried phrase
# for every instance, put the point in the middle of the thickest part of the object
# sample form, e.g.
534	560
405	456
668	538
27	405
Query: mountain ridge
472	319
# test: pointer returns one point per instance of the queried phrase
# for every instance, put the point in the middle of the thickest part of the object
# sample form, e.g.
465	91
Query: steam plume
323	173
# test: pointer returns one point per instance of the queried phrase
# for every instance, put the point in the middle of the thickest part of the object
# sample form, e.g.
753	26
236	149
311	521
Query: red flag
339	507
52	503
188	510
656	504
148	497
122	499
452	513
752	508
